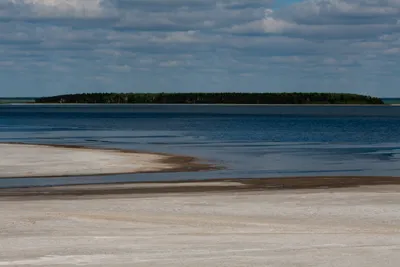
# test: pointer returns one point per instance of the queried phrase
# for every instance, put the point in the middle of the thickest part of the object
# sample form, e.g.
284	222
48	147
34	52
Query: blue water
250	141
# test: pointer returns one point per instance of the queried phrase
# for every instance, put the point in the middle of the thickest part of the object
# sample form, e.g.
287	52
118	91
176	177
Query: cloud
232	44
327	19
59	8
343	12
170	63
70	13
394	50
120	68
151	5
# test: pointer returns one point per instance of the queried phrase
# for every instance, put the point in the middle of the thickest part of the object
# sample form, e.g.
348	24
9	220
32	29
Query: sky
52	47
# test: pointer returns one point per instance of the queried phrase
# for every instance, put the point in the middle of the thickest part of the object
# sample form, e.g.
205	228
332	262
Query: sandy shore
340	227
22	160
281	222
189	187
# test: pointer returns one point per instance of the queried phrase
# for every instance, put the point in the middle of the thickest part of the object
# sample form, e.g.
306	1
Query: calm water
251	141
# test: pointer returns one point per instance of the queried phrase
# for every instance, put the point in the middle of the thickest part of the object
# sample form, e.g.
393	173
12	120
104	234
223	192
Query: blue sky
50	47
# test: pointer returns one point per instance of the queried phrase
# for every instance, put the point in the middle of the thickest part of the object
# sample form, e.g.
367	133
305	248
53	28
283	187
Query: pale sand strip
350	227
23	160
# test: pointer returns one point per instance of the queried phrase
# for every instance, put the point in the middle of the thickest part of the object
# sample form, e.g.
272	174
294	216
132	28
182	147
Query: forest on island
212	98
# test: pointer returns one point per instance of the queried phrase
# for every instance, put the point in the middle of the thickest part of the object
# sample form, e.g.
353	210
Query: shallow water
251	141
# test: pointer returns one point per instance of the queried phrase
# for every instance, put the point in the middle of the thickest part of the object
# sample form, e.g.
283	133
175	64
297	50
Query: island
212	98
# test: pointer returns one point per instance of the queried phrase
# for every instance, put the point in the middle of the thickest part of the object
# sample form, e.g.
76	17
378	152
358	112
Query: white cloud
326	19
120	68
392	51
58	9
170	63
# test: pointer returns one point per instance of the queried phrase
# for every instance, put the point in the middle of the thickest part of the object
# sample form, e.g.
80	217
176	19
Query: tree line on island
212	98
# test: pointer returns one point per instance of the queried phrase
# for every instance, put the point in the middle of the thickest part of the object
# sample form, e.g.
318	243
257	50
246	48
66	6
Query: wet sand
335	227
189	187
26	160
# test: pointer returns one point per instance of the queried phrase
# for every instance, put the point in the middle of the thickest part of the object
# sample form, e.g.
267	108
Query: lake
250	141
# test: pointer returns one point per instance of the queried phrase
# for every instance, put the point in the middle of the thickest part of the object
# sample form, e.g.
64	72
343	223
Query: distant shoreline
193	104
390	101
214	98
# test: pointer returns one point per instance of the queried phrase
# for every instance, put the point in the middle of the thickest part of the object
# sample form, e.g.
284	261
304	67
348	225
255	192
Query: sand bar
23	160
340	227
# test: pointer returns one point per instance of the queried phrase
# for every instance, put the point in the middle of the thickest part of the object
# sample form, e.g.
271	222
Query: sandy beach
23	160
279	222
343	227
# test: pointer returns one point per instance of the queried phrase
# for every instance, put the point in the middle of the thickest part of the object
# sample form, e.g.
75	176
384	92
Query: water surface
251	141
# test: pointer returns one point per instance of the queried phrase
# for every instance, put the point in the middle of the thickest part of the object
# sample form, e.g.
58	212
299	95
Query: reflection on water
251	141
